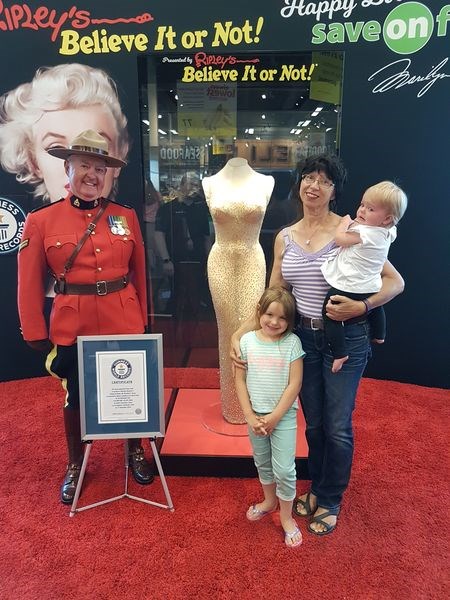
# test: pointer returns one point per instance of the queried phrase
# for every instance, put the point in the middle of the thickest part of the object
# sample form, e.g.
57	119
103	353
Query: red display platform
200	442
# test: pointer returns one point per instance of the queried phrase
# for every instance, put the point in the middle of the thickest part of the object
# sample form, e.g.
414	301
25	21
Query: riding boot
140	467
75	452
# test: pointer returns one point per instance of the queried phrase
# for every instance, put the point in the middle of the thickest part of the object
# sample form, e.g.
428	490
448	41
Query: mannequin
237	197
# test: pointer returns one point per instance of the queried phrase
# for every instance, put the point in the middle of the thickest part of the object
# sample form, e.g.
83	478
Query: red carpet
391	541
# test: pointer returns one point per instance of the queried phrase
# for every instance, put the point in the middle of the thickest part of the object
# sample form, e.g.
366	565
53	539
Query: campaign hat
88	143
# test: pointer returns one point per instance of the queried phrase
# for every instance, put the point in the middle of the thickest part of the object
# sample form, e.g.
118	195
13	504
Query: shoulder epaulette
120	204
50	204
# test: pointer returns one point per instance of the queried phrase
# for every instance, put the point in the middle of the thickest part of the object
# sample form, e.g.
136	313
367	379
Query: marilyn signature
403	77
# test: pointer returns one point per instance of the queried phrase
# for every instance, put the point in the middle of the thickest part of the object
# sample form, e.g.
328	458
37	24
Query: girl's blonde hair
284	297
56	88
390	196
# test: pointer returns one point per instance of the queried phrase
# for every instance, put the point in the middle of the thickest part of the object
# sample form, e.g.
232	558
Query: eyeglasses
324	184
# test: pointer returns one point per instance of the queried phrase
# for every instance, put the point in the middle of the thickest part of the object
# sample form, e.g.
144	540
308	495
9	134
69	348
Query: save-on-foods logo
406	29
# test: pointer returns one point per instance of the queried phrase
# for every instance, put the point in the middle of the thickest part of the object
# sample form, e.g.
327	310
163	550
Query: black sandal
320	519
305	505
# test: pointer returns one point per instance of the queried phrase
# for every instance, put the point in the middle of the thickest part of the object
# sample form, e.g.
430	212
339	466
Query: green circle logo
408	28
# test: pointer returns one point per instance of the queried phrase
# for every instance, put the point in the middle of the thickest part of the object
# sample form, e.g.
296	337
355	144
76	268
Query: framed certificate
121	386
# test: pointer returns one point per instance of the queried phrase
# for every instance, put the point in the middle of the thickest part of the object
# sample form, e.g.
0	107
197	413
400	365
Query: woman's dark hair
329	164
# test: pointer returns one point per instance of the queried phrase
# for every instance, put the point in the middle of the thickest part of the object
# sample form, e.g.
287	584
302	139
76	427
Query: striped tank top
302	271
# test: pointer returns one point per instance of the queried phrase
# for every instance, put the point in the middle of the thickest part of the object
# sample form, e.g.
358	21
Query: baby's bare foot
337	364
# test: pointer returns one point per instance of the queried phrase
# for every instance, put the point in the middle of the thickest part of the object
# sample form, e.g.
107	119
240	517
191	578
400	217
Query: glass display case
198	111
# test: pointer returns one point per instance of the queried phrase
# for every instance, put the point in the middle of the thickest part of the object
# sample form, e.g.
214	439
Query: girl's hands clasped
257	424
269	422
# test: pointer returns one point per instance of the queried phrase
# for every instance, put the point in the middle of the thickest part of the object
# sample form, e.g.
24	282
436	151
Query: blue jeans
328	400
274	455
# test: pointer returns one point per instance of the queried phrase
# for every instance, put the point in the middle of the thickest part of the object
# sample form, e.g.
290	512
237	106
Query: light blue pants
274	455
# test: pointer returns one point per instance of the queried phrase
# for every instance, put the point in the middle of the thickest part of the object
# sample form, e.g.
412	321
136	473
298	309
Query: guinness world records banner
395	124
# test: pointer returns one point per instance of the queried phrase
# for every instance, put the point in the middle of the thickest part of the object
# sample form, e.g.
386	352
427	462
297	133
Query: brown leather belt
101	288
317	324
308	323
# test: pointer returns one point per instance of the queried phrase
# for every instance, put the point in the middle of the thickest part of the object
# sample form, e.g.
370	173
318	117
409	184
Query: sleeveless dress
236	275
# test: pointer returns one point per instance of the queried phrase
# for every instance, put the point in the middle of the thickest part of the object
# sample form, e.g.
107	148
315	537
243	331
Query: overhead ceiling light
174	131
251	131
159	116
162	132
263	96
145	121
263	116
328	129
306	123
299	123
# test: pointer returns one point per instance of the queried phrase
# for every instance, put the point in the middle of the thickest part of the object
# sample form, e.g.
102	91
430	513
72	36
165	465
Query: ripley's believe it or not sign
406	28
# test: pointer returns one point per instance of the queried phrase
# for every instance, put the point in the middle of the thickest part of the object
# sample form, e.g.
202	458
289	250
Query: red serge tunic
49	238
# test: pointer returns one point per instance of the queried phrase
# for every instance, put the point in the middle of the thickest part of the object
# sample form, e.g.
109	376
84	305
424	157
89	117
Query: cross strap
90	228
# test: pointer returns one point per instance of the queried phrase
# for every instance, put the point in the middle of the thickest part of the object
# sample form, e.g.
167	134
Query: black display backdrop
395	125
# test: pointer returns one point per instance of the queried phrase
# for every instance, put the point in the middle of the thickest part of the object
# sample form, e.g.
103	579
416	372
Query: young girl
267	391
356	270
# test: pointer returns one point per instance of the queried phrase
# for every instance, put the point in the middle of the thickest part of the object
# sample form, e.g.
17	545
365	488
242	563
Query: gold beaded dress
237	198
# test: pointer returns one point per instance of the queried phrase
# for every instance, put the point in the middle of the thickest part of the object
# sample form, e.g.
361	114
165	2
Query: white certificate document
121	387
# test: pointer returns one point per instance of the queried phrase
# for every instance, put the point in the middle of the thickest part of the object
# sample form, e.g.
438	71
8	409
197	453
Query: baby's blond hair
392	197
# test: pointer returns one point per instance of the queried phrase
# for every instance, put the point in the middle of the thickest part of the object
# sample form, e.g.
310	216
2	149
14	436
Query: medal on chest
118	225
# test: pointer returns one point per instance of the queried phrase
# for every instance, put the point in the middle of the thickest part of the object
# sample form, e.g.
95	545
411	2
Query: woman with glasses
327	398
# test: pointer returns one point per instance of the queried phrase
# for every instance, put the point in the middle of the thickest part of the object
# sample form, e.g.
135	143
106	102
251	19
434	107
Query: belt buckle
313	327
101	288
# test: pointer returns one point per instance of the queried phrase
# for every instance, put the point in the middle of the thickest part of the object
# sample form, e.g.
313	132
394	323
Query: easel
169	505
103	361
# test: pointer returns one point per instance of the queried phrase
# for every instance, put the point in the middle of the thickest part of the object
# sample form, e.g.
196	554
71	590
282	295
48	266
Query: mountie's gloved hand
41	345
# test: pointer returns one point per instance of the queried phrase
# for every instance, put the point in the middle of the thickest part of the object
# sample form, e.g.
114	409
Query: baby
355	271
